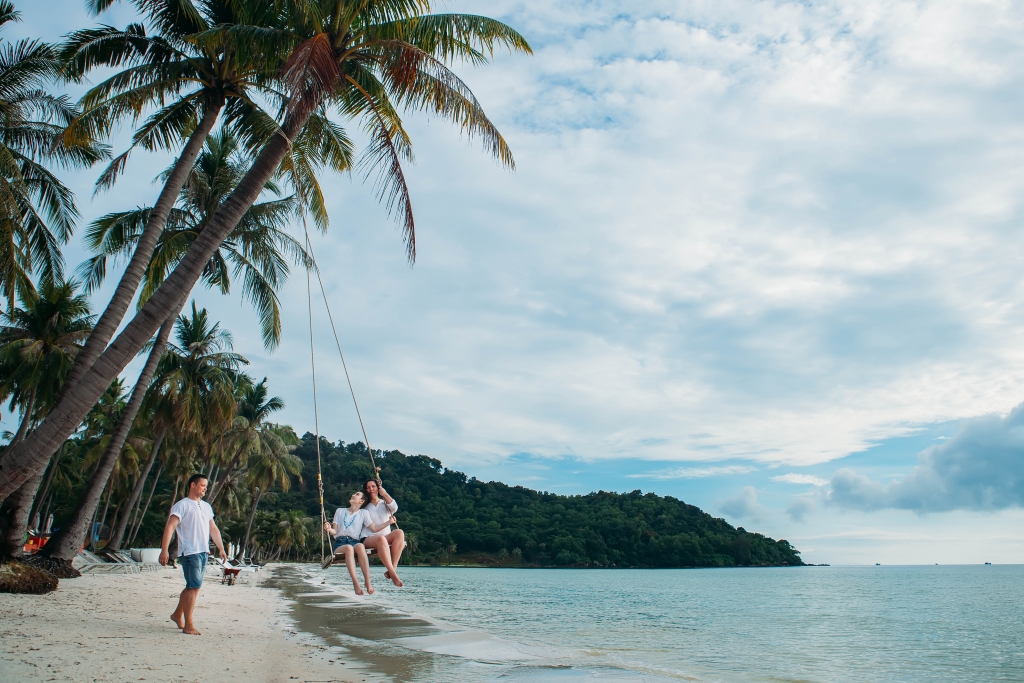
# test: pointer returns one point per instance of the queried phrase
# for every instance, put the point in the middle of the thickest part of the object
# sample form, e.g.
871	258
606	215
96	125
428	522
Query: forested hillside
449	517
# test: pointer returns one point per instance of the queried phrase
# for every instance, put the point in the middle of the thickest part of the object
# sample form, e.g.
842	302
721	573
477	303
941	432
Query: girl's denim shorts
345	540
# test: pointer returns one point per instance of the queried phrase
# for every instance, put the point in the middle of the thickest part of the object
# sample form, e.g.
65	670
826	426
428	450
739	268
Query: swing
326	559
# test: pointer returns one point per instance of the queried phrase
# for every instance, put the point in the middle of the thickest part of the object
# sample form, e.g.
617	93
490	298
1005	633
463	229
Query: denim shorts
194	566
341	541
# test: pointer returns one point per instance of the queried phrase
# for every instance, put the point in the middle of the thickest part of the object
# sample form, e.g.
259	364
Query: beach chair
90	563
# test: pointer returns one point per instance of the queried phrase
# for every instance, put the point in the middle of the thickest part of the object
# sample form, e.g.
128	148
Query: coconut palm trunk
132	276
64	545
26	419
252	516
122	523
19	508
130	279
51	472
21	462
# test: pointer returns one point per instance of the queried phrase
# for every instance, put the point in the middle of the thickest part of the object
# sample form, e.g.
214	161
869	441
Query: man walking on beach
193	518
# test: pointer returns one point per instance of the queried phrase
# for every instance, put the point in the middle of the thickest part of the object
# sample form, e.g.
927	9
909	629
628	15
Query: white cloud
770	231
799	507
981	468
743	505
793	478
694	472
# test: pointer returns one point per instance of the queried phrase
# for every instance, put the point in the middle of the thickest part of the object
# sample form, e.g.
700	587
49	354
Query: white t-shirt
352	525
193	526
380	513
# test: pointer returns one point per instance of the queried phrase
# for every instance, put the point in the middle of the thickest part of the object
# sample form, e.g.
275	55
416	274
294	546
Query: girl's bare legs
364	564
396	539
380	544
350	562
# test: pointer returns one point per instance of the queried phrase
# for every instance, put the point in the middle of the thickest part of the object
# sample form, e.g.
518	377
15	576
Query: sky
764	257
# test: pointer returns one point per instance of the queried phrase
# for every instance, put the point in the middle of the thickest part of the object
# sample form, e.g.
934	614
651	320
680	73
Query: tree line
252	100
449	517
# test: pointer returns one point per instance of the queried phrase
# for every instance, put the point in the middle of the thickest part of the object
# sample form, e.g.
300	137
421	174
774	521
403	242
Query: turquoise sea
950	623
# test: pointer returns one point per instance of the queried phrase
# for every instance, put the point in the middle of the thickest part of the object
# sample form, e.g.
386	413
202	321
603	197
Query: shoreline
116	627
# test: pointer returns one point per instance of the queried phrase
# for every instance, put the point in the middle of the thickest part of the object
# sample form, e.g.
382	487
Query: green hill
451	518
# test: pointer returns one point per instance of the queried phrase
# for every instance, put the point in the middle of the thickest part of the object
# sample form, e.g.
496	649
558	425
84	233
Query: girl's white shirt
379	514
355	525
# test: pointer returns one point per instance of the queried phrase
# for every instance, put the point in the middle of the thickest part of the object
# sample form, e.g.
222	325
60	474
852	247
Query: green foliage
448	516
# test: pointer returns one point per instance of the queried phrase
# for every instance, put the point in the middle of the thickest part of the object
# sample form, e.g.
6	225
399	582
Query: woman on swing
388	544
349	530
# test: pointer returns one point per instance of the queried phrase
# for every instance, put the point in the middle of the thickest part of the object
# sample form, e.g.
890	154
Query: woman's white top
355	525
379	514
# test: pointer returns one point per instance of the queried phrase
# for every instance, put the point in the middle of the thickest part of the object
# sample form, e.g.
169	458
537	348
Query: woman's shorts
342	541
194	566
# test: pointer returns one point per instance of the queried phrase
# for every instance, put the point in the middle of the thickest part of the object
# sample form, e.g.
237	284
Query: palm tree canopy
37	211
257	251
197	374
39	340
366	60
278	464
163	66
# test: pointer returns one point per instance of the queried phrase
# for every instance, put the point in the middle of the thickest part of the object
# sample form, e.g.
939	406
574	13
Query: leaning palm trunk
126	287
65	544
21	462
122	522
26	418
20	507
252	516
55	461
132	277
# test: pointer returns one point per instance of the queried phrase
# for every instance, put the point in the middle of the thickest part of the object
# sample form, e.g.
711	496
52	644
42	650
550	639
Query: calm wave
956	623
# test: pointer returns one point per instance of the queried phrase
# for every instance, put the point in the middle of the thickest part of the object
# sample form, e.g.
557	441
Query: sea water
949	623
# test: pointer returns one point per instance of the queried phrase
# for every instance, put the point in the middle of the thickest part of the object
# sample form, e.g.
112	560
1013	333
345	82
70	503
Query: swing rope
316	413
312	361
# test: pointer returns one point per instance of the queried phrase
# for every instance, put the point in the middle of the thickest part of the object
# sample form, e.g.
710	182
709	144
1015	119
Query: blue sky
762	256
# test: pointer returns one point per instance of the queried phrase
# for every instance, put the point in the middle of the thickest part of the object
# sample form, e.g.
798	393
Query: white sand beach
114	627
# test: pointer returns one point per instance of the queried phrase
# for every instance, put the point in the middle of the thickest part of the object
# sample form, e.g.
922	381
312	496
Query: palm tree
257	249
189	82
38	344
293	530
272	466
198	375
364	60
254	406
37	211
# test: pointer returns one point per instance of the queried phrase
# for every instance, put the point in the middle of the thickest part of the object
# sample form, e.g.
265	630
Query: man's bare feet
178	620
191	630
369	588
355	585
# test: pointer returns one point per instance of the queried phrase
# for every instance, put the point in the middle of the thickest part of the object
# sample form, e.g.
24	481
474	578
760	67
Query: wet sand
403	647
115	627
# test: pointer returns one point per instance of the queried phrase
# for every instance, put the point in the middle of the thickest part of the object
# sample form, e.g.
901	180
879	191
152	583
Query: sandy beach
115	627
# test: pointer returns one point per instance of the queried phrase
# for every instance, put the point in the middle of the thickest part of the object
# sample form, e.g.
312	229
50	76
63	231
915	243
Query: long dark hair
366	491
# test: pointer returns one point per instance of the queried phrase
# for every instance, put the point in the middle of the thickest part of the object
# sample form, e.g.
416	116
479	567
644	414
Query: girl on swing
349	529
388	544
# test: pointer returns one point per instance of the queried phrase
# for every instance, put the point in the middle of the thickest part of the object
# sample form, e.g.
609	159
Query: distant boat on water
988	563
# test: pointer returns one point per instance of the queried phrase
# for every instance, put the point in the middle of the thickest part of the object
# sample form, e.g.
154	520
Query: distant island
450	518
